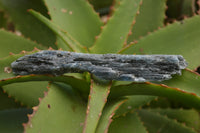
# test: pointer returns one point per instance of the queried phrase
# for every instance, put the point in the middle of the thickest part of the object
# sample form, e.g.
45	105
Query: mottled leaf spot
63	10
70	12
7	70
49	106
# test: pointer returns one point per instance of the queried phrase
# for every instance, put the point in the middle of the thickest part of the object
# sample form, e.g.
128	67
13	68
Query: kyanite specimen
138	68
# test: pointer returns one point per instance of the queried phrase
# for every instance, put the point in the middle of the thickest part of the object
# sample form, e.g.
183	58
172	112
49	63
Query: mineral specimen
138	68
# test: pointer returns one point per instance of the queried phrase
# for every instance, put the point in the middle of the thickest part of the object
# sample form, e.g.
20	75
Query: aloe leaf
5	67
189	82
178	38
180	8
188	7
7	77
100	4
78	84
96	102
126	124
149	19
61	110
154	122
27	93
163	102
25	23
189	117
132	103
11	120
186	95
6	102
114	33
13	43
3	20
77	18
107	114
66	37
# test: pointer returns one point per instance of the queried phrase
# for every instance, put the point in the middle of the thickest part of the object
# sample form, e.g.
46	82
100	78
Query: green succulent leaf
115	32
25	23
101	5
11	120
188	82
77	18
27	93
189	117
149	19
10	42
96	102
61	110
3	20
188	7
34	85
154	122
107	114
126	124
6	102
179	9
66	37
178	38
187	95
80	85
132	103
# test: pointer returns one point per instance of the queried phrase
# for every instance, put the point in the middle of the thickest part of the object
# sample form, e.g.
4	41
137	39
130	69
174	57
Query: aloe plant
77	102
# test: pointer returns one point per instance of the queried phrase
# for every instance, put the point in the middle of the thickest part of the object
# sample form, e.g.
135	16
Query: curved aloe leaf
107	114
149	19
11	120
189	82
185	8
189	96
3	20
178	38
126	124
71	43
132	103
13	43
20	91
28	25
78	84
27	93
154	122
6	102
99	5
189	117
61	108
96	102
77	18
115	32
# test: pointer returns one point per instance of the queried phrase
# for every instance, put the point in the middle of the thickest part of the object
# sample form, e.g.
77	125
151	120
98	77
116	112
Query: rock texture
138	68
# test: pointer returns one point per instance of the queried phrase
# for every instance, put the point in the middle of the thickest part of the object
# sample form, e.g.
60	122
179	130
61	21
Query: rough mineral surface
138	68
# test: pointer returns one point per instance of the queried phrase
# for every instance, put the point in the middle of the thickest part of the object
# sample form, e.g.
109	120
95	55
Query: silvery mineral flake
138	68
